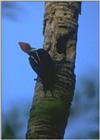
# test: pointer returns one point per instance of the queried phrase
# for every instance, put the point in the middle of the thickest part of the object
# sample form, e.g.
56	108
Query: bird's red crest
24	46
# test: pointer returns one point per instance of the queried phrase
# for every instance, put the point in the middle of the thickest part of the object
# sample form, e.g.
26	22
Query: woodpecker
42	63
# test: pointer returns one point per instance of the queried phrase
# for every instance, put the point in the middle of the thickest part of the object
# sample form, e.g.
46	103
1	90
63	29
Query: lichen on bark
49	114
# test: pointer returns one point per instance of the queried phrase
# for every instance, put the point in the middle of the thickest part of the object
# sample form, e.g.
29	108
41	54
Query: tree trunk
49	114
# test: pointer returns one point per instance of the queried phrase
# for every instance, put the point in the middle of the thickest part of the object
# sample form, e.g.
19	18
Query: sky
24	22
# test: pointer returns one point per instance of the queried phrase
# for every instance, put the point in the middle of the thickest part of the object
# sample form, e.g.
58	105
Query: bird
42	63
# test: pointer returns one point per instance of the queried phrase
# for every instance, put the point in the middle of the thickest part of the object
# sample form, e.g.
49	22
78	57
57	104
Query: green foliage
12	125
8	132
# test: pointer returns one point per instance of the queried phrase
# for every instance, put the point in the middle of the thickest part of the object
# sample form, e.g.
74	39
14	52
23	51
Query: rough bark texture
49	115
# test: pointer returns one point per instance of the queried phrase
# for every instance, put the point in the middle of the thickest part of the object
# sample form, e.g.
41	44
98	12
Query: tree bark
49	114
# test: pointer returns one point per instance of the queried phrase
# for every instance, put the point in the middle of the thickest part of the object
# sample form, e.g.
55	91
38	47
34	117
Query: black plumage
43	65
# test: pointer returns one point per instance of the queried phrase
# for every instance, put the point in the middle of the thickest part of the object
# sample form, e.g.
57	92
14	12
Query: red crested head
25	47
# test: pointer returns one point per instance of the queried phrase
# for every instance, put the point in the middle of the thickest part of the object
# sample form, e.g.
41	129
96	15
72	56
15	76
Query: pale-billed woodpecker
42	63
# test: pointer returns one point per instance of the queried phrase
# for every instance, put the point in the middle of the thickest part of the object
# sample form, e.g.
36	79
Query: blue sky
27	25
